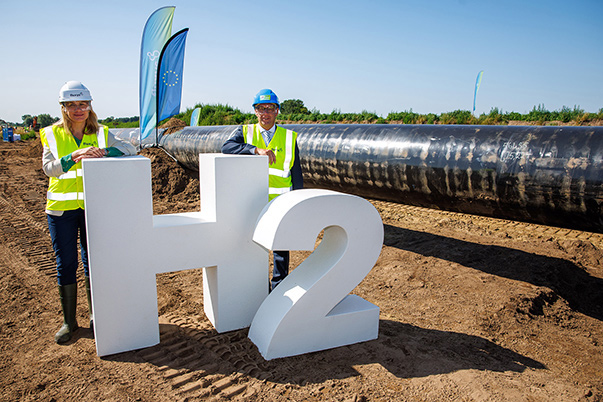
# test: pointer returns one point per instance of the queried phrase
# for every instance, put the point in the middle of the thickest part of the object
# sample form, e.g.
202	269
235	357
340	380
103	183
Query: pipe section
543	174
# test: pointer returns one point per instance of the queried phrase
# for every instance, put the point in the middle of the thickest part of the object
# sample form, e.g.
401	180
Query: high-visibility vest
283	146
66	192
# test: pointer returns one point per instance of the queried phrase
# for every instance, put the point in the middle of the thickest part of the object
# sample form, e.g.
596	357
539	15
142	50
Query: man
280	145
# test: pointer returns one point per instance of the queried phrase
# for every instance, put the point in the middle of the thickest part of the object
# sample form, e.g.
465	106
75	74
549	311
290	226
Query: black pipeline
544	174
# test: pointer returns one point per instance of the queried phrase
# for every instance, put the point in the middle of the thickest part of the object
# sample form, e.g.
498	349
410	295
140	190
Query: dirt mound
172	125
174	188
471	309
33	149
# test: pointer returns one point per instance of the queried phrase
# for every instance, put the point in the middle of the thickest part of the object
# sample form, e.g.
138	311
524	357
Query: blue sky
379	56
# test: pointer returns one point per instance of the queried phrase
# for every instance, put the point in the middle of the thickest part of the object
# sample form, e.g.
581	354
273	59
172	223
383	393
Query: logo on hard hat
78	94
264	97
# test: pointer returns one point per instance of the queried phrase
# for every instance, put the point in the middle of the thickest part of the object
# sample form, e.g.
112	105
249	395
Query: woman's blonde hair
91	126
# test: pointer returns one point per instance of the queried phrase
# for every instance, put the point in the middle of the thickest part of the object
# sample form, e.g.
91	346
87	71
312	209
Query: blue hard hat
265	96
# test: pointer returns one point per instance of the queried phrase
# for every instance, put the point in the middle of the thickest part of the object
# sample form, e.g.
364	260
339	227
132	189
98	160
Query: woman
75	137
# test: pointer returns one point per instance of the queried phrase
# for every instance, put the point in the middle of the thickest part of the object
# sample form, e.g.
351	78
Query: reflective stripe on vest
250	131
72	174
283	146
278	191
65	196
66	191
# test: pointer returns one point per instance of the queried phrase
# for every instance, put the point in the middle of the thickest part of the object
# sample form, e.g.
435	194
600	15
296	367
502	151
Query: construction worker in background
74	137
280	145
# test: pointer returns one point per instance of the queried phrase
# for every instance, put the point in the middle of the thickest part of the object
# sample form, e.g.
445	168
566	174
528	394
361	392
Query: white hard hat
74	91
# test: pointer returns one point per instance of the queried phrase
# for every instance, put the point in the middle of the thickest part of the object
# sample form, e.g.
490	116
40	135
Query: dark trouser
280	267
64	232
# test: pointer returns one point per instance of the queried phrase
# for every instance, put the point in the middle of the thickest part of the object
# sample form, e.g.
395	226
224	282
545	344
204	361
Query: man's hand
269	153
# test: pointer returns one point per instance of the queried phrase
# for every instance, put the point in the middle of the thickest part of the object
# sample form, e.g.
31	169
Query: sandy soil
472	309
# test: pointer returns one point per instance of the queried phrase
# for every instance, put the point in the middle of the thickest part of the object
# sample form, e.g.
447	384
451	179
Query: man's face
266	113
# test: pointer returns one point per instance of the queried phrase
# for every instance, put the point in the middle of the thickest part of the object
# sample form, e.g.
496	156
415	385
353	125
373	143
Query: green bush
217	115
406	117
539	115
513	116
30	135
120	122
456	117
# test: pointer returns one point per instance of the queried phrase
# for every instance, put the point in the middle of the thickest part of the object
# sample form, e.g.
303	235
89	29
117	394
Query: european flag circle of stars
170	78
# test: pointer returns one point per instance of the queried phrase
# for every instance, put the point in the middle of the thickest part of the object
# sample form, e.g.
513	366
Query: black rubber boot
68	295
89	303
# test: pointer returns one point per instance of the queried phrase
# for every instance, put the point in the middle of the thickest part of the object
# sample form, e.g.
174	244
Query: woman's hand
90	152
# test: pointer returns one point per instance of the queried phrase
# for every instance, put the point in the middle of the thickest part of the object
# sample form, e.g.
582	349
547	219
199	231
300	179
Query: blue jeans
64	232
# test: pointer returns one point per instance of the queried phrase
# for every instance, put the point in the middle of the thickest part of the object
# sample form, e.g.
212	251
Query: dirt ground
472	309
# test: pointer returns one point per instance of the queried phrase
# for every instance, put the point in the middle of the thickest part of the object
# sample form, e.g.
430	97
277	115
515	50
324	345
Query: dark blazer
236	145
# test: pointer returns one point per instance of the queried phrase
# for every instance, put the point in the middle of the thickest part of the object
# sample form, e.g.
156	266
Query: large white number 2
311	309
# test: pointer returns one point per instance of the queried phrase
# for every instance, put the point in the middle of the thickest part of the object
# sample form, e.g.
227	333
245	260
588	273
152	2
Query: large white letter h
128	246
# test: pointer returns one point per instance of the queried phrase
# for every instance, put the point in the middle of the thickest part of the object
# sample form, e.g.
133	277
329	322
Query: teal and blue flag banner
156	33
195	116
478	82
169	77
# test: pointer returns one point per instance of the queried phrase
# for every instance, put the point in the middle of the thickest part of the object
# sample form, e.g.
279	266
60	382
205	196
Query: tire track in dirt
31	237
197	362
24	221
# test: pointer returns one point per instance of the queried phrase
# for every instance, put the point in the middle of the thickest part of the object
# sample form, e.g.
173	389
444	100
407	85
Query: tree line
293	111
42	119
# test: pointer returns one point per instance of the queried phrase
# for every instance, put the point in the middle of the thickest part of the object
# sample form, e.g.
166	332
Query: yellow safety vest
283	146
66	192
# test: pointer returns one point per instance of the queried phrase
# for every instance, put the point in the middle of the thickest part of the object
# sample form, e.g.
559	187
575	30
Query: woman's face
77	111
